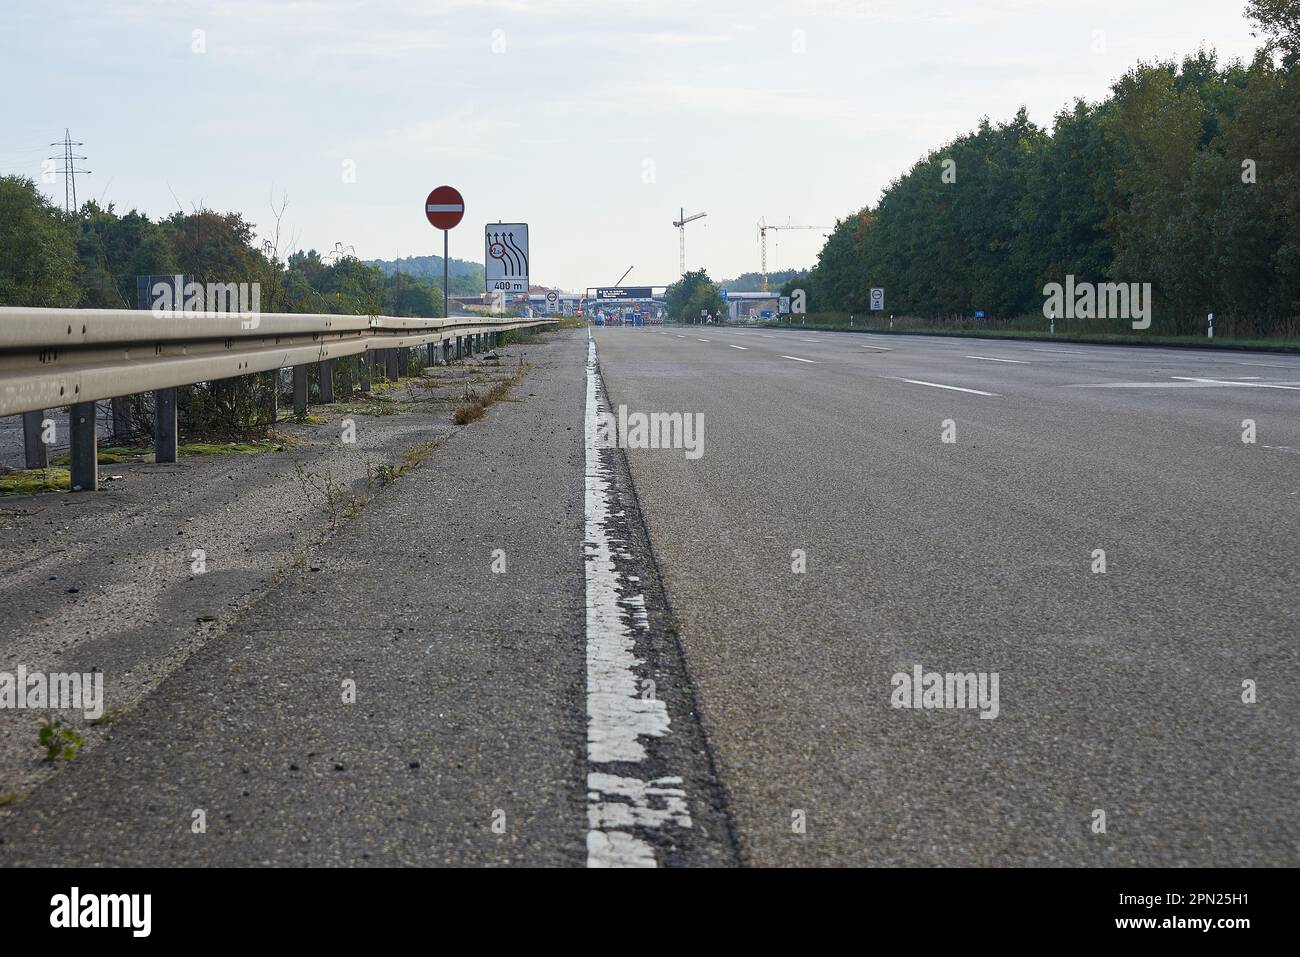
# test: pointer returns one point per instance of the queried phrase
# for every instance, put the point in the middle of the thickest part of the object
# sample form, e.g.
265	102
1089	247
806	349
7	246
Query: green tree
693	294
38	258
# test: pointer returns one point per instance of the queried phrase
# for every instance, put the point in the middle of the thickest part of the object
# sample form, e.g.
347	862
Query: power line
69	170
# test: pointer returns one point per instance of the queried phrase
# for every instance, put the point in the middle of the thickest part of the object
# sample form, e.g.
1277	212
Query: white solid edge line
1020	362
952	388
797	359
618	718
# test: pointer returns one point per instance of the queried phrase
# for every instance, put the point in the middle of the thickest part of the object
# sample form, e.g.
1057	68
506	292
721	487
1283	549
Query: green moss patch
34	481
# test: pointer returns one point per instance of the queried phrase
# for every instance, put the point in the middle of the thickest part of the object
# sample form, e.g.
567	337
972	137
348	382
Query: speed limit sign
877	299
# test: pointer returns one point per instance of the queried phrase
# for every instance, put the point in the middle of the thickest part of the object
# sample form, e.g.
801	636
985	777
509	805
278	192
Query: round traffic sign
551	296
445	207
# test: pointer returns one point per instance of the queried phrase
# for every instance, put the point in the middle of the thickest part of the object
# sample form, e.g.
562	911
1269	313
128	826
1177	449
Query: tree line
1187	177
91	258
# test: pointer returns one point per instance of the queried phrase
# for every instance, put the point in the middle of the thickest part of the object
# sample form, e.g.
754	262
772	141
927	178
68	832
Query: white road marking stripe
741	348
952	388
679	337
1247	385
797	359
992	359
1061	352
703	340
878	348
618	718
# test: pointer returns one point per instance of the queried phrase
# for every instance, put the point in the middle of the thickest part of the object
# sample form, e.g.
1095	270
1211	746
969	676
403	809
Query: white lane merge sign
505	257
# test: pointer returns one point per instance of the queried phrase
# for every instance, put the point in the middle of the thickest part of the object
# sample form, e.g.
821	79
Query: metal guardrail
75	357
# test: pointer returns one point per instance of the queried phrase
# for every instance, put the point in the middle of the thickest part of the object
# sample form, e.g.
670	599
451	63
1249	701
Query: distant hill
750	281
465	278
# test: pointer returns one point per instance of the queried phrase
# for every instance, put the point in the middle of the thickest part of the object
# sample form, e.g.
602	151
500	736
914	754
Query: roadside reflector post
83	451
1209	326
1052	328
164	425
299	390
326	381
35	452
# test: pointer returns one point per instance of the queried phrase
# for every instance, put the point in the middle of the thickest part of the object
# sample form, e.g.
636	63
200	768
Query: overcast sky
592	120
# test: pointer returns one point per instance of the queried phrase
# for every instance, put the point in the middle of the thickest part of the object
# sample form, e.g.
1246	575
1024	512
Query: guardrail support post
34	450
403	363
390	365
326	381
164	425
84	452
431	355
367	363
299	390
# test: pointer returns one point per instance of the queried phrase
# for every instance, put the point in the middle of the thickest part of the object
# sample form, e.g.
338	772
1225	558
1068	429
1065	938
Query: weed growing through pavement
59	740
474	404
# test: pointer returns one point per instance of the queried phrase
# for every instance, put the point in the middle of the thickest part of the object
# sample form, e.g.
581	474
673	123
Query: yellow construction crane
763	227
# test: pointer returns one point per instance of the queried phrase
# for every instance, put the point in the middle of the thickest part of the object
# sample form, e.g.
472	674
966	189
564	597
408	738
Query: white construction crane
681	228
763	227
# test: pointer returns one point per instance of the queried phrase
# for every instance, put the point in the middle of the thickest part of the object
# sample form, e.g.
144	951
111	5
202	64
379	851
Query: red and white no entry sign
445	207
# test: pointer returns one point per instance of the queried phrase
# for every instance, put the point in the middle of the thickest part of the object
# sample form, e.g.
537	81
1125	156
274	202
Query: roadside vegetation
474	404
91	258
1187	176
692	296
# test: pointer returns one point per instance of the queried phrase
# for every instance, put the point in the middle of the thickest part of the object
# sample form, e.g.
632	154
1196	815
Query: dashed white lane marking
741	348
797	359
618	717
951	388
807	340
1060	352
704	340
680	337
1021	362
878	348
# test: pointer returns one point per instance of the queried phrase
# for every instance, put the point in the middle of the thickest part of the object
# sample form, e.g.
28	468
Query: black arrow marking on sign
523	257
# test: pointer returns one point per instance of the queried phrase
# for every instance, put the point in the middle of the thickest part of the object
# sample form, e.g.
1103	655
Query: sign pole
445	208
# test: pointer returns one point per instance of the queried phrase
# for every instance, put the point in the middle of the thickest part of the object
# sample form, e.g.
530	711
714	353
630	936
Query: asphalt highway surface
881	600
